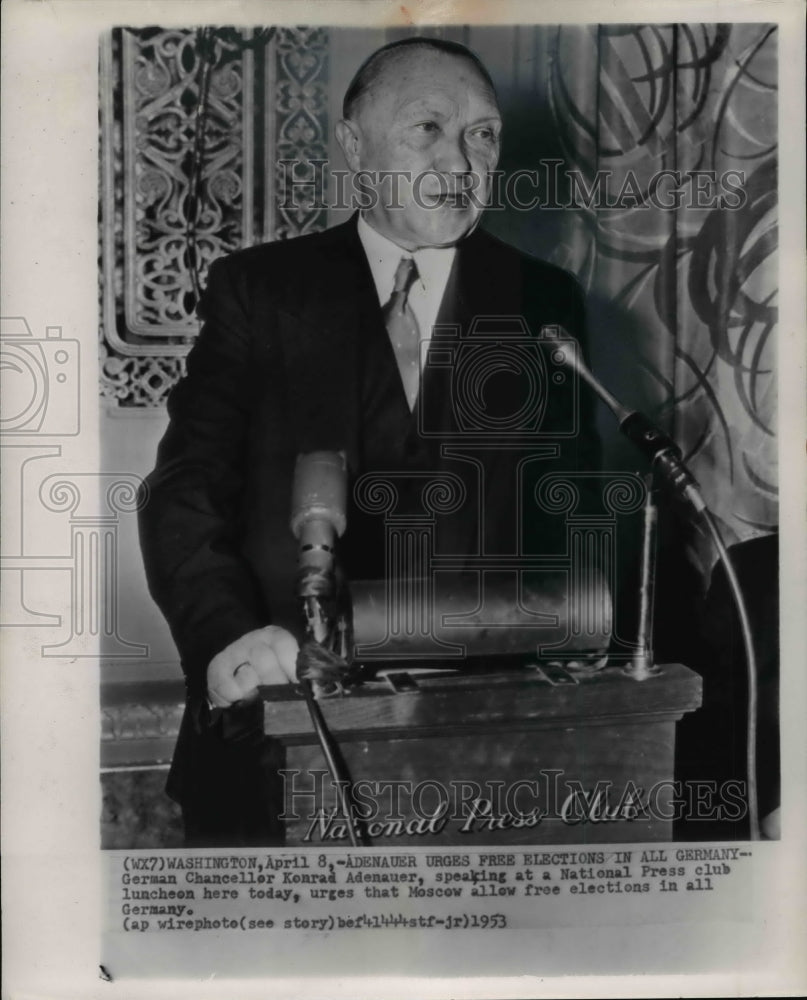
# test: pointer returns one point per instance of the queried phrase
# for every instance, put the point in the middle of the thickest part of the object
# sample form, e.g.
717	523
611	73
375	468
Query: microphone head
319	491
568	353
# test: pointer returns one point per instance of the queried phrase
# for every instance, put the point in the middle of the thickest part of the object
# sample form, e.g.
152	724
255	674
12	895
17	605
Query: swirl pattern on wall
671	131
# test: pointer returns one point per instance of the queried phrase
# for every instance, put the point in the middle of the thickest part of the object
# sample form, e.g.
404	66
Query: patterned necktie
403	329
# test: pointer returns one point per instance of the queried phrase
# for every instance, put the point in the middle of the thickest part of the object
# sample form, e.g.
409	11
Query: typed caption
331	891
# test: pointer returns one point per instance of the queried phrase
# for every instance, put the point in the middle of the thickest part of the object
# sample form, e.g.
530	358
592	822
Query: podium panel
514	757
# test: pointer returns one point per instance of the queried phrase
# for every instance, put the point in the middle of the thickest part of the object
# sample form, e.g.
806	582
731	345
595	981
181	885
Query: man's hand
265	656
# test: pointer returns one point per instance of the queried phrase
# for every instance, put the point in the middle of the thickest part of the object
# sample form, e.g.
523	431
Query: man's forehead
439	102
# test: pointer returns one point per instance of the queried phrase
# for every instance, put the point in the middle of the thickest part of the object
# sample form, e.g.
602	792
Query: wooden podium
557	758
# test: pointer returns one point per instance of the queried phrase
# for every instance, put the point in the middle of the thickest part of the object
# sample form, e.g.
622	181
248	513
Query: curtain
669	147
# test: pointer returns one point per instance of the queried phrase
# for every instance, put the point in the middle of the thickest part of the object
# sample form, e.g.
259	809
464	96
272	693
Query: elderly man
313	344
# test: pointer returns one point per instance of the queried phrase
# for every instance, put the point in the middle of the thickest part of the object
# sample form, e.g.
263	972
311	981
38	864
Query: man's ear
348	137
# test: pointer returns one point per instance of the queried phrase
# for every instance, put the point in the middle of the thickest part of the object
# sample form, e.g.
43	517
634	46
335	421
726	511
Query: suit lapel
464	299
484	289
484	286
320	340
472	291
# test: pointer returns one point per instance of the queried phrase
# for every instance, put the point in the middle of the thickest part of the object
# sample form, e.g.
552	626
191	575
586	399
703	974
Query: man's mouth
446	199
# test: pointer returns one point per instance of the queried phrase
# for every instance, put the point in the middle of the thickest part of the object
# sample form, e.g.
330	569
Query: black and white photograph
403	508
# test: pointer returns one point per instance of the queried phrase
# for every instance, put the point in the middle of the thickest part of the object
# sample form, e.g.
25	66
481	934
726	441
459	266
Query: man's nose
451	155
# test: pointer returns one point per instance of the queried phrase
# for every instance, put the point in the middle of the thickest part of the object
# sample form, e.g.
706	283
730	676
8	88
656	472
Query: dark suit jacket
273	373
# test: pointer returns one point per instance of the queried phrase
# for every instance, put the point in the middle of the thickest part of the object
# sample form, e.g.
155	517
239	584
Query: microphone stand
669	467
317	631
641	665
330	753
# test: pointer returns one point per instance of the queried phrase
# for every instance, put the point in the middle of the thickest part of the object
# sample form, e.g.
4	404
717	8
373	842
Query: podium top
483	702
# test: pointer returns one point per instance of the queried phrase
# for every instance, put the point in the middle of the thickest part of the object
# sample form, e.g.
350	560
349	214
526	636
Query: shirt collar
433	263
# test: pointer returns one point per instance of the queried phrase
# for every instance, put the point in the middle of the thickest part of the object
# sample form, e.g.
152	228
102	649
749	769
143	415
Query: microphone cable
751	670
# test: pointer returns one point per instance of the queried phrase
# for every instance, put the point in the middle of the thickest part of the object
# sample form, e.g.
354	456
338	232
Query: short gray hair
373	66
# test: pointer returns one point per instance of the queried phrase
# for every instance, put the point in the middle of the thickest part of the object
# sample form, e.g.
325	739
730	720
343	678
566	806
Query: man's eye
426	126
487	134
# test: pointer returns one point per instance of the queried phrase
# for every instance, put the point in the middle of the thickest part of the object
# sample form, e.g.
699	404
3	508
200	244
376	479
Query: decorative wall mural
193	123
673	130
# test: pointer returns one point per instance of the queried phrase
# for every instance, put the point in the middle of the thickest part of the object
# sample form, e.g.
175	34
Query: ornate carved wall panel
194	124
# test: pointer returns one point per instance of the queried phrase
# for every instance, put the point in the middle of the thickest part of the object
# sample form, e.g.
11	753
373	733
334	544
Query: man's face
431	122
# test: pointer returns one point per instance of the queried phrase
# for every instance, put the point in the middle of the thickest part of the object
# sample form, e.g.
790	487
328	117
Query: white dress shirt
426	294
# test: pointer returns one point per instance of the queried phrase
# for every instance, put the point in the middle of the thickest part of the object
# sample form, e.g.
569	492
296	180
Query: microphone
664	454
668	464
318	518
